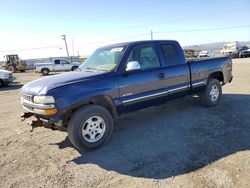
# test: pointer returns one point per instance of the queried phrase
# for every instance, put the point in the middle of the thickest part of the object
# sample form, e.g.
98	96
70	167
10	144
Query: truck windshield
103	59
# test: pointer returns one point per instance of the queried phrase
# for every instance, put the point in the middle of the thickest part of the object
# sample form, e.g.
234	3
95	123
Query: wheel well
103	101
217	75
74	67
44	69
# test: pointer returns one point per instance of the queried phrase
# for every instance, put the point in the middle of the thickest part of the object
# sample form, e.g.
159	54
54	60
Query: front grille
27	97
10	75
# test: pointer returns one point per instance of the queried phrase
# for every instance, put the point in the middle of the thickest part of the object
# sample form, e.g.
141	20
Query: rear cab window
57	61
170	54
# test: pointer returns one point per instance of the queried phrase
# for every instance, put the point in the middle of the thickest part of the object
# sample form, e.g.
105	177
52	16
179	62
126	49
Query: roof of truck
138	42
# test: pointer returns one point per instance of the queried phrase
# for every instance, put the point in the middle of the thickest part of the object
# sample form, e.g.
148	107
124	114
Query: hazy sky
27	24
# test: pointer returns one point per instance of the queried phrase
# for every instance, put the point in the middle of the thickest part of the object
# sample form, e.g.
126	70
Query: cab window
146	55
64	61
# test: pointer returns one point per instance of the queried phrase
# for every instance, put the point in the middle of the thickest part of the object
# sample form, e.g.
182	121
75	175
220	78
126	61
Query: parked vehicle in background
191	53
5	77
55	66
206	53
231	49
244	51
117	80
14	64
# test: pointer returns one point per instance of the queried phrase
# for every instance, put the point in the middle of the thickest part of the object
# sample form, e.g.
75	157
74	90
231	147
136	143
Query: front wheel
1	83
212	94
74	68
90	127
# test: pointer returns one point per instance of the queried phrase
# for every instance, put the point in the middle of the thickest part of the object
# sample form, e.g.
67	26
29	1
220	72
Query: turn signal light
47	112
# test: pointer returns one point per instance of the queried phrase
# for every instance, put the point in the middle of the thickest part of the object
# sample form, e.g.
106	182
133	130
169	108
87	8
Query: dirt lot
176	145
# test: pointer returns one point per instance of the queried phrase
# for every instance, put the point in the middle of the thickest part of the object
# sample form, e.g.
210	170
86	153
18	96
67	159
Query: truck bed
202	68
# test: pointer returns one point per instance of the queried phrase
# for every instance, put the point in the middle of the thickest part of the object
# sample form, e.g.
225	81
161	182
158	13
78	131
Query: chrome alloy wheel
93	129
214	93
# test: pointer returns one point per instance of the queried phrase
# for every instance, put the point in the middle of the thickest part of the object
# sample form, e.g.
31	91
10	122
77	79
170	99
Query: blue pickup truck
120	79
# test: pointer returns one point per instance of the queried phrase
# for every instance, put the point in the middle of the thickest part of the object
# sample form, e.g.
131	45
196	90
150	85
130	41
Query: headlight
44	99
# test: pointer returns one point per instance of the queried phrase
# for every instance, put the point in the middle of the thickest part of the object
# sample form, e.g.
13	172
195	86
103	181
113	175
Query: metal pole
64	38
73	48
151	35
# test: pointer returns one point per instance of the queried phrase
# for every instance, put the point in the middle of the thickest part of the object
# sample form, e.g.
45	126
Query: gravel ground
180	144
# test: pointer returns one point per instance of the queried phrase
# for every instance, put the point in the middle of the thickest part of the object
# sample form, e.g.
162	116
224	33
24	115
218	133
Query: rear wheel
90	127
212	94
45	71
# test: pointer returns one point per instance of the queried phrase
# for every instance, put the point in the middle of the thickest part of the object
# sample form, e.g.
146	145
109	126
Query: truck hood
43	85
76	63
248	50
4	71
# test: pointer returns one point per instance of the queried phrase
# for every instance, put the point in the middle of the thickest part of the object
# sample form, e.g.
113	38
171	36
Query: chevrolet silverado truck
55	66
120	79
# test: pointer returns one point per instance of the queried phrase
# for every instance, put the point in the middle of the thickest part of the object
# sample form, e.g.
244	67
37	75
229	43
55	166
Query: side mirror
132	66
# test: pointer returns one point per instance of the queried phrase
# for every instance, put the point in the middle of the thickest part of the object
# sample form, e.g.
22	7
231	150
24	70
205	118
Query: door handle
162	76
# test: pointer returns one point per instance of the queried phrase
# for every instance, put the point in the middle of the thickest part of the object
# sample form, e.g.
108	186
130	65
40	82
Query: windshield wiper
93	69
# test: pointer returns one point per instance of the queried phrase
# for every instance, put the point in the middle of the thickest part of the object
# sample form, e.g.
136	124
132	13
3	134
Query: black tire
5	84
78	123
74	68
1	83
208	99
22	70
45	71
12	69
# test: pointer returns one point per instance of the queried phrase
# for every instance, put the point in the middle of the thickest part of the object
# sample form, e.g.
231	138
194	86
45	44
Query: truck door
175	71
140	89
65	65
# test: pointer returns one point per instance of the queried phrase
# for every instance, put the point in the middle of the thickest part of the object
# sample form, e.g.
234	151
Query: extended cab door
57	65
176	76
140	89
